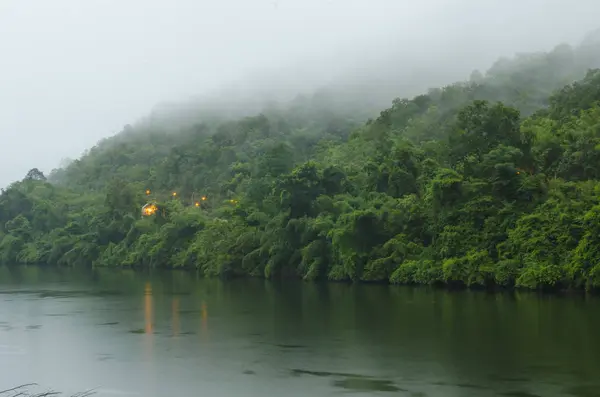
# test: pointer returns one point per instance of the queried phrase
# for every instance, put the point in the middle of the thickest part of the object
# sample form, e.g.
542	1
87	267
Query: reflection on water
148	308
175	316
129	333
204	321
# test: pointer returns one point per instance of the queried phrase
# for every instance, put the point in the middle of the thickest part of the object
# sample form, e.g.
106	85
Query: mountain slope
488	182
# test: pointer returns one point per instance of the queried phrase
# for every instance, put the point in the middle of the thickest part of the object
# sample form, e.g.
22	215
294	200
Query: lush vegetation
494	181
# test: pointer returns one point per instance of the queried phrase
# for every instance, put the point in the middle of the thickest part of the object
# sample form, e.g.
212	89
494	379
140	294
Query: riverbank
196	274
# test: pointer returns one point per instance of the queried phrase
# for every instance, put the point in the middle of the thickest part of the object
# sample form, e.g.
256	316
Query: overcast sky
74	71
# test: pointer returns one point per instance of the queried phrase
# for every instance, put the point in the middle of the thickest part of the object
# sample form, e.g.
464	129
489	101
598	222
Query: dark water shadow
286	346
173	293
516	379
354	382
142	331
583	391
362	384
519	393
298	372
191	311
461	385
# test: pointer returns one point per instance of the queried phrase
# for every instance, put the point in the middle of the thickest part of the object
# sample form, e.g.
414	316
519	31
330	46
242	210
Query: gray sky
74	71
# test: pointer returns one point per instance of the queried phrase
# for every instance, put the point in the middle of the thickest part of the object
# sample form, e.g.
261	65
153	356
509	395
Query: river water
126	333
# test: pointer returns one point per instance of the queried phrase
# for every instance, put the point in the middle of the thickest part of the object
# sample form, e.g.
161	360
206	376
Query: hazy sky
74	71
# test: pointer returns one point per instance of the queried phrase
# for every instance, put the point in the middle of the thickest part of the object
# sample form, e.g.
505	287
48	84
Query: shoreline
450	287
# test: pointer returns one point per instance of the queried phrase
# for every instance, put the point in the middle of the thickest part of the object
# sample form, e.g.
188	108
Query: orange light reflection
148	309
175	316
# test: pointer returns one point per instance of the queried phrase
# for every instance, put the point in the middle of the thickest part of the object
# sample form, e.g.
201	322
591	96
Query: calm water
171	334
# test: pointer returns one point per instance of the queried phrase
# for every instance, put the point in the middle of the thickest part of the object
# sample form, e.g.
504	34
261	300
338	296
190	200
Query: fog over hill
74	72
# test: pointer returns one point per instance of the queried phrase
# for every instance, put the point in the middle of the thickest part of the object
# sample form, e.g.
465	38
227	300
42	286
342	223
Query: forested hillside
494	181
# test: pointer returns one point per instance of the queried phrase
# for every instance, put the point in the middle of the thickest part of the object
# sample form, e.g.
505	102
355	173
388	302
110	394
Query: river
126	333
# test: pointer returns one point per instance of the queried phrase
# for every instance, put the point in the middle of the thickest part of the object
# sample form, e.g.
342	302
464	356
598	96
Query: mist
73	72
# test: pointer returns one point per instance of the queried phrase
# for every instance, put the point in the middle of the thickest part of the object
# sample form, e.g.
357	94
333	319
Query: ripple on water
10	350
60	293
104	357
5	326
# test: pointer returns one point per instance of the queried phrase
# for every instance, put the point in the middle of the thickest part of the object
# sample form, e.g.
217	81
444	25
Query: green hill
493	181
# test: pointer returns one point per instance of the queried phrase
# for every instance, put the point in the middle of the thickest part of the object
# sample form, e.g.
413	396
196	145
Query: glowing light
174	194
149	209
203	198
148	192
197	204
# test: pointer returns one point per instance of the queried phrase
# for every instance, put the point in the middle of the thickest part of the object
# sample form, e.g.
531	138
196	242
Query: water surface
128	333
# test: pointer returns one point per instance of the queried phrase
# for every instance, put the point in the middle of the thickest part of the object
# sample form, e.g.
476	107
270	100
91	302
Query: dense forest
490	182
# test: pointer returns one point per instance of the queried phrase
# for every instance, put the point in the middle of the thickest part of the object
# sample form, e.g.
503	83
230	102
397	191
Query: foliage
494	181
